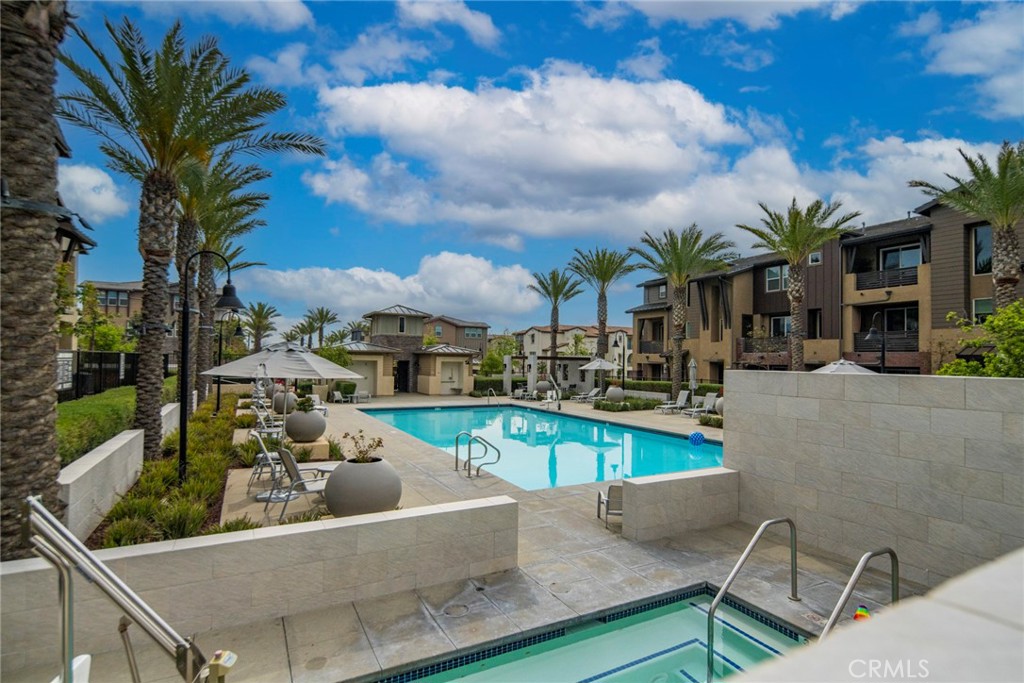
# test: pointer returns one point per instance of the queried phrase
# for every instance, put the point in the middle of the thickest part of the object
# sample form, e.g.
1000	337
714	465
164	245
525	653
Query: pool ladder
894	563
491	392
468	464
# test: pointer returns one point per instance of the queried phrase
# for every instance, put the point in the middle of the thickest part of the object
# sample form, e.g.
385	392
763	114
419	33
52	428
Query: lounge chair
318	405
674	406
265	460
704	408
308	483
361	397
587	398
612	503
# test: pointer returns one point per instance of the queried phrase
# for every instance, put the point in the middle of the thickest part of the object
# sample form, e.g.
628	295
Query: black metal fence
83	373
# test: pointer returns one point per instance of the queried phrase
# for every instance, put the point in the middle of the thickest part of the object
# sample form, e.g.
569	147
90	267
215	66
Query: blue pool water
542	449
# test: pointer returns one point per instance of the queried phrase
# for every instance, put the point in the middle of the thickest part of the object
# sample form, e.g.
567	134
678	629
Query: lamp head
239	332
229	298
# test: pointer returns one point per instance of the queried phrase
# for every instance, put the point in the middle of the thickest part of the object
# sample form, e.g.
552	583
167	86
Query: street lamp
228	299
874	333
237	334
616	345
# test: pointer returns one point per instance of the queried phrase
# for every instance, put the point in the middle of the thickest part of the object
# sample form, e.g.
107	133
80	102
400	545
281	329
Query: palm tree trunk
157	208
186	244
796	317
602	331
1006	259
678	331
553	365
32	33
204	343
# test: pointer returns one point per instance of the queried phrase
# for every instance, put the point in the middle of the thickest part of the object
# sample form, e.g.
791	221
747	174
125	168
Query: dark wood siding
950	265
825	290
767	302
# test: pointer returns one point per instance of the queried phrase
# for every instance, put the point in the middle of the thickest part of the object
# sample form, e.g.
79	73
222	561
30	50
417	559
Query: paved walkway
570	566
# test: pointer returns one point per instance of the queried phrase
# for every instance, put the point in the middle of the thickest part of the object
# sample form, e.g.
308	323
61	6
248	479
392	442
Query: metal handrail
487	449
736	570
58	546
852	583
457	436
491	392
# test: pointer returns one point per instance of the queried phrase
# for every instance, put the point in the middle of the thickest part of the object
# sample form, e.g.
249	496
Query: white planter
305	427
615	395
279	399
357	488
720	405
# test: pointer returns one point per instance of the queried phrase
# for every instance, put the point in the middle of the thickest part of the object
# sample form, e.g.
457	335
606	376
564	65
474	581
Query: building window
814	258
438	331
533	339
401	325
982	249
814	323
474	333
982	309
662	291
900	257
122	299
781	325
776	278
901	319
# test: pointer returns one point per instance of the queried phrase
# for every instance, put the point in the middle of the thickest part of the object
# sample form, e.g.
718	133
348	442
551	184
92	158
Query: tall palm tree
321	317
601	268
159	113
676	257
557	287
258	320
996	196
336	337
306	329
362	326
293	335
793	236
32	33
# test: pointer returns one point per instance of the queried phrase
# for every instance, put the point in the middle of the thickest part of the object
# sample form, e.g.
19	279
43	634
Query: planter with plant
364	482
305	425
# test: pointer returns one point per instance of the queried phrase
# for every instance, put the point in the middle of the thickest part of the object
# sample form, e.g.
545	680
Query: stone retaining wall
670	504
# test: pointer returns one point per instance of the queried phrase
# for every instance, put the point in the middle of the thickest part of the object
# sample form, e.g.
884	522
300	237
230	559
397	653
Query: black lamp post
228	299
616	345
237	334
874	333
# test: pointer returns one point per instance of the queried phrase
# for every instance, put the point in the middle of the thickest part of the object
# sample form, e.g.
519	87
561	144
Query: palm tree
557	287
793	236
996	196
336	337
362	326
293	335
321	317
306	329
32	32
258	320
677	256
159	113
601	268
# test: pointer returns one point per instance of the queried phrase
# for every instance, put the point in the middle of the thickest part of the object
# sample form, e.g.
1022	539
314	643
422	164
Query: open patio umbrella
284	360
599	364
844	367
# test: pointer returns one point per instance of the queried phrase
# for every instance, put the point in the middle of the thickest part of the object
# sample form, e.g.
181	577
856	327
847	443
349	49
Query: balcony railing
765	344
894	341
652	347
878	279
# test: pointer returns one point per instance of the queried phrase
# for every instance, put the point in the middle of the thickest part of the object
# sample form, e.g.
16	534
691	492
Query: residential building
537	339
464	333
900	277
71	243
121	301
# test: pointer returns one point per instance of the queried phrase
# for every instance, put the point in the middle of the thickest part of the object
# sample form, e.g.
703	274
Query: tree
360	325
335	354
996	196
601	268
32	32
430	340
159	114
258	320
557	287
677	256
578	347
90	315
793	236
292	335
1004	332
64	299
321	317
336	337
500	346
111	337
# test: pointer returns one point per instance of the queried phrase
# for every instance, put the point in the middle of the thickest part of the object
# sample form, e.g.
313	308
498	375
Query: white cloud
378	52
477	25
647	63
91	192
926	24
991	49
266	15
755	88
608	16
736	54
756	15
287	68
462	285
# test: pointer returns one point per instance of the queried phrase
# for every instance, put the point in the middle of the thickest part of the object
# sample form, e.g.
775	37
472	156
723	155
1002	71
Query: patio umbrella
285	360
599	364
844	367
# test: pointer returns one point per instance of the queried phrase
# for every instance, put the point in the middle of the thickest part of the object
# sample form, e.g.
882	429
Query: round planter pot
357	488
720	406
544	386
305	427
615	395
278	403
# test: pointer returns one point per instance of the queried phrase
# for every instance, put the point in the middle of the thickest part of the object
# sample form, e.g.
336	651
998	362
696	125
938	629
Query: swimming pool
663	641
546	449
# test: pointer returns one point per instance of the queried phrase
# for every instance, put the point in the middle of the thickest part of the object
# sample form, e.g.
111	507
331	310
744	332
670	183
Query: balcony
894	341
880	279
652	347
764	345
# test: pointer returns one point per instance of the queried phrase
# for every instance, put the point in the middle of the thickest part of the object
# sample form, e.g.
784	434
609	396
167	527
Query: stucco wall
931	466
671	504
211	582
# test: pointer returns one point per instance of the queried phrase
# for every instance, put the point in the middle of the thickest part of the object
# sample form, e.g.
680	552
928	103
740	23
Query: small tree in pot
364	482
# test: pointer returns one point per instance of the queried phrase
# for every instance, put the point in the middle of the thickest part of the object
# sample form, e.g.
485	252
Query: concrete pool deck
569	566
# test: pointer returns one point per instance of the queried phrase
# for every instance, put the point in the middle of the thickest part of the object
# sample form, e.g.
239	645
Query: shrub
157	477
240	524
137	507
313	515
630	403
306	388
303	454
482	384
245	421
169	392
710	421
128	531
704	389
346	388
85	423
180	518
334	449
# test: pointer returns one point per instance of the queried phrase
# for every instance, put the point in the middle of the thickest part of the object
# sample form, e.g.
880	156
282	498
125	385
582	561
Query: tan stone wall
671	504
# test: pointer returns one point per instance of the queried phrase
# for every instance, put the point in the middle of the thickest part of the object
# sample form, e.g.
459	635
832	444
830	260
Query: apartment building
537	339
901	277
121	301
464	333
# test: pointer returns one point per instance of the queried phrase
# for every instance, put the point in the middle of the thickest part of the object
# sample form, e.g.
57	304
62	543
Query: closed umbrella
844	367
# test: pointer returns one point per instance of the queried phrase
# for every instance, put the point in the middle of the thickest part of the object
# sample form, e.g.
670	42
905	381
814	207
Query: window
776	278
474	333
533	338
895	258
781	325
901	319
814	258
662	291
982	309
814	323
982	249
122	299
401	325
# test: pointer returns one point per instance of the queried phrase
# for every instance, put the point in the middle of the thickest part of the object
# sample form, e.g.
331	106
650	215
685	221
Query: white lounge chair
308	483
612	503
704	408
674	406
587	398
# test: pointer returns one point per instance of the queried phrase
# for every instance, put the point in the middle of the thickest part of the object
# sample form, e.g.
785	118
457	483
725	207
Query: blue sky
471	144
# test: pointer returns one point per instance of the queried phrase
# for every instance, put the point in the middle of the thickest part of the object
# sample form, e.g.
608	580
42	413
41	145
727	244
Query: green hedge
710	420
631	403
666	387
85	423
482	384
346	388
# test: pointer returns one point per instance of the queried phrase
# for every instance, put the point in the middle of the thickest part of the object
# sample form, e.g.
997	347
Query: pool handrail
732	577
852	583
468	464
